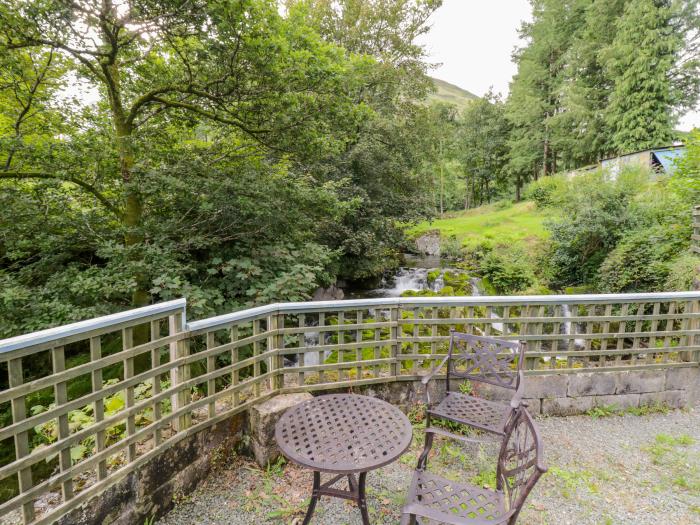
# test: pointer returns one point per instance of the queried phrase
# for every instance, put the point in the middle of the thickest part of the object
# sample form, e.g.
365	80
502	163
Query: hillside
449	93
521	222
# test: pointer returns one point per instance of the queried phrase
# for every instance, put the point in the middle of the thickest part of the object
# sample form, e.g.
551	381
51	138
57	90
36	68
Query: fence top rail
409	302
90	325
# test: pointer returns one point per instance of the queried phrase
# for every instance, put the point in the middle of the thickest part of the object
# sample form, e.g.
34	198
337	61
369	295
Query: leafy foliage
597	78
639	112
508	269
235	154
626	235
640	261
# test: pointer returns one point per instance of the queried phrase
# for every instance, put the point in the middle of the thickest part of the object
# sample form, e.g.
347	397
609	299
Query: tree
482	148
385	156
640	61
234	64
581	133
535	91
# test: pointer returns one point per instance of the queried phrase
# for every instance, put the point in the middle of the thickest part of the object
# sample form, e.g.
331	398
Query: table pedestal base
356	493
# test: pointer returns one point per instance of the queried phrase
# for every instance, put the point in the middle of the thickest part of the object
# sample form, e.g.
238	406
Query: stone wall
150	491
569	394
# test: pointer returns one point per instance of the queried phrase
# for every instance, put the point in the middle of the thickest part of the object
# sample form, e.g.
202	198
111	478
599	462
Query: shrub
683	270
508	269
596	215
547	191
450	247
640	262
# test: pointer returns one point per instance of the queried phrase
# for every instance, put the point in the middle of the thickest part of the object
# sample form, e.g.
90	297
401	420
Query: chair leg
423	459
408	519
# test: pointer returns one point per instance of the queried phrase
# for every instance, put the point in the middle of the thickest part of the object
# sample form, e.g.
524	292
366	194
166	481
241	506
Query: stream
413	275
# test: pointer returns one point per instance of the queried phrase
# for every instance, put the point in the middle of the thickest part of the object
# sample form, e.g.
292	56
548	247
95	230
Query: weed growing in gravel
484	478
614	410
645	410
672	454
572	480
286	509
603	411
276	469
416	413
466	387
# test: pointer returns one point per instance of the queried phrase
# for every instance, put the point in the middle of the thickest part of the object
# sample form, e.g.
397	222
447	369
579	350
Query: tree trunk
466	194
518	184
133	205
442	184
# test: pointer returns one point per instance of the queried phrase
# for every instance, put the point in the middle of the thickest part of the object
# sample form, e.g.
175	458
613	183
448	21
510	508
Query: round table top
343	433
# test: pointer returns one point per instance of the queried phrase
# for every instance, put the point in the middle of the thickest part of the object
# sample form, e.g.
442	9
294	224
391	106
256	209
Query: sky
472	41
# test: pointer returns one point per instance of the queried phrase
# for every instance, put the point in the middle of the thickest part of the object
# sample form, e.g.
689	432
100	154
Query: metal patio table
345	435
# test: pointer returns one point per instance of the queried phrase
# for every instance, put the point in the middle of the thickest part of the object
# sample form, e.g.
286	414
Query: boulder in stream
332	293
429	243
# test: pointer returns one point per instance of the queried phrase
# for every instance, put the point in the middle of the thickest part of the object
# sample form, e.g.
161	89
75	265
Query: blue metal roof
668	156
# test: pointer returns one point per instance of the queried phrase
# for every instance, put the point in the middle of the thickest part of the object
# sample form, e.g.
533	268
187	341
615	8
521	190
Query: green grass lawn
521	222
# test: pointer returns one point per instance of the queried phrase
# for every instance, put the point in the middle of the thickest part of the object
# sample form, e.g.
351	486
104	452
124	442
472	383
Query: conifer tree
640	62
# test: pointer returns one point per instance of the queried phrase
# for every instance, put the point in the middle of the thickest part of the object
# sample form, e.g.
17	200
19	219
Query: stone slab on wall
261	423
674	387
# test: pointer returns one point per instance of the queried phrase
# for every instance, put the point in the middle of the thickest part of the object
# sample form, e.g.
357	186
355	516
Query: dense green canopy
235	153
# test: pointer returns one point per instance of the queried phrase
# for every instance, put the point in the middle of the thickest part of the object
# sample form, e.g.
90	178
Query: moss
459	281
433	275
489	289
574	290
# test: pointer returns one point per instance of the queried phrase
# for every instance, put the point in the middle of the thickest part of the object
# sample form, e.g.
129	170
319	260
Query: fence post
396	345
58	359
19	412
275	342
180	374
279	346
98	408
690	340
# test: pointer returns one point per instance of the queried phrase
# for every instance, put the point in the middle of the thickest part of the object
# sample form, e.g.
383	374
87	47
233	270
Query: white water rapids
416	279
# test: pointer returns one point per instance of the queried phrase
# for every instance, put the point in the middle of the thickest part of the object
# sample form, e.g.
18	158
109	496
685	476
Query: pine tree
535	101
581	133
640	62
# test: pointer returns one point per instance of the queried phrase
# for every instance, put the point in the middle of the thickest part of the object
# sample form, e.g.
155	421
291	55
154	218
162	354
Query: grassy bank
493	224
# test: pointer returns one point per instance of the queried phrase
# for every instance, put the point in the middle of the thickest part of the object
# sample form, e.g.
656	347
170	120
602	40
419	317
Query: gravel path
636	470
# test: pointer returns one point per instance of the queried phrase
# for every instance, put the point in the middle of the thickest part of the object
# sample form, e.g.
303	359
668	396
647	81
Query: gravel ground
613	470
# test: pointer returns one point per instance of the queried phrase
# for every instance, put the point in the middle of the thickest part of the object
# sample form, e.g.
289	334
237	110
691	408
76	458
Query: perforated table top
343	433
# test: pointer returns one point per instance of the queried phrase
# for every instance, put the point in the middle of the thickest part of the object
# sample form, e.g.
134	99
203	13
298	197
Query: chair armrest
517	399
426	378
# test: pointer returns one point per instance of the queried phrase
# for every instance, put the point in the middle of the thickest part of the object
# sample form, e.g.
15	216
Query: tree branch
25	175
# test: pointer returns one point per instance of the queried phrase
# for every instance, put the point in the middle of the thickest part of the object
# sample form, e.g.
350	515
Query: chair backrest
476	358
520	461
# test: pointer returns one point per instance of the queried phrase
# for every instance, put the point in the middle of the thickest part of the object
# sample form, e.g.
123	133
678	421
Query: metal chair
520	464
481	360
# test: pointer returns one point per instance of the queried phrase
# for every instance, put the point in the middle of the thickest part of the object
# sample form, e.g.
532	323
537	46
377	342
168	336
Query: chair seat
433	498
473	411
